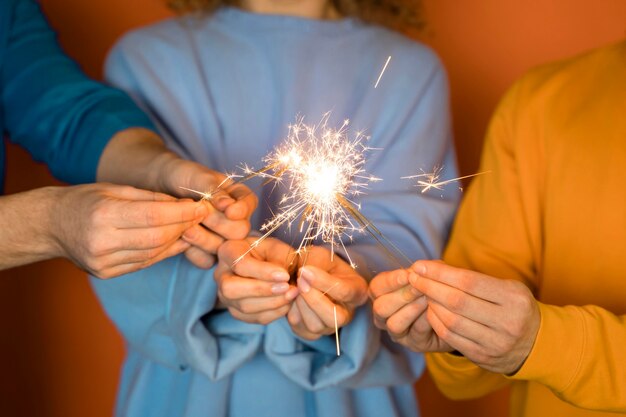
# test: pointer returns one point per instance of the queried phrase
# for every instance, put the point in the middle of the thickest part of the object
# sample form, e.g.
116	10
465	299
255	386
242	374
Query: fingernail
201	211
420	268
280	276
413	278
189	234
303	284
223	199
280	288
306	273
291	294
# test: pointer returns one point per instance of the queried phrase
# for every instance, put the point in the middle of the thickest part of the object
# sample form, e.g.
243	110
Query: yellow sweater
552	214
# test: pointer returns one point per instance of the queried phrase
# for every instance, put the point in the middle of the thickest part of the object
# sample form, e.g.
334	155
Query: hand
493	322
255	289
153	167
230	209
400	309
109	230
326	283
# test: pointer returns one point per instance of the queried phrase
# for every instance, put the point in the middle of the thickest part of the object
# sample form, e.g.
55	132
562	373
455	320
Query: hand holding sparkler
330	291
400	310
256	289
493	322
230	207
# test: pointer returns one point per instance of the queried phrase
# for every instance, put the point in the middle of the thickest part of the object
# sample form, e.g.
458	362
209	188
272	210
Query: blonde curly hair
396	14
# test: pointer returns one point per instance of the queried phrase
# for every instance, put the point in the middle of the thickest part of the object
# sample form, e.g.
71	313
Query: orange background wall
61	355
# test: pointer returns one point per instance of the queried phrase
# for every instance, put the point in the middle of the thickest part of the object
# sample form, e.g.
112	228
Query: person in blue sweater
85	131
223	85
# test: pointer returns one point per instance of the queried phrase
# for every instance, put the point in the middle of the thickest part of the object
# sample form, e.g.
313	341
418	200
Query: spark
323	171
206	195
209	195
432	179
383	71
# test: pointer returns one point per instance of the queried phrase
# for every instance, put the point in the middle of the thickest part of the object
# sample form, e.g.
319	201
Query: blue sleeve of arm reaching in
50	107
166	313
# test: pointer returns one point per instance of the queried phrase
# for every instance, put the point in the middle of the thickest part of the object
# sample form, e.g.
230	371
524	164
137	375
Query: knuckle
456	301
317	328
421	326
245	308
467	283
378	309
393	327
227	290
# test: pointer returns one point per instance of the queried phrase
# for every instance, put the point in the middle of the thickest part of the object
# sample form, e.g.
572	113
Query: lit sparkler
323	170
430	180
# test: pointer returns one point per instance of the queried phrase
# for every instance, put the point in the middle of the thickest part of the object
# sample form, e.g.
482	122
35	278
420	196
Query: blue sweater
48	105
223	90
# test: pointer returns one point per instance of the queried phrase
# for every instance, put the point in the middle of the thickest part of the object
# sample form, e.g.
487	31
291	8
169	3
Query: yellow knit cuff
556	356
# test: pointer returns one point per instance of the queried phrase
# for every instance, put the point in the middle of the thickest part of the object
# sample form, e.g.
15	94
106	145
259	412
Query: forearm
26	227
136	157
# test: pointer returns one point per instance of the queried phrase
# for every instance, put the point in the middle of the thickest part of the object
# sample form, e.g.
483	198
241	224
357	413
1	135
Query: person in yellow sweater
549	222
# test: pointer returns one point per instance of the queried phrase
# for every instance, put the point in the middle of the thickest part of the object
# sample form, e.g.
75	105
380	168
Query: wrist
26	227
53	216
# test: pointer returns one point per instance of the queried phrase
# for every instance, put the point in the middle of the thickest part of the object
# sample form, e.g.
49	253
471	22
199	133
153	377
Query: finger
388	304
125	262
294	317
233	287
349	289
125	192
245	202
471	282
203	239
459	302
250	266
142	214
459	325
260	304
321	306
147	238
229	229
265	317
401	322
389	281
311	321
455	341
200	258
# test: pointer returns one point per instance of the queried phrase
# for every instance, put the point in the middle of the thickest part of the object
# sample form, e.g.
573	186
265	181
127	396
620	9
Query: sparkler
430	180
323	170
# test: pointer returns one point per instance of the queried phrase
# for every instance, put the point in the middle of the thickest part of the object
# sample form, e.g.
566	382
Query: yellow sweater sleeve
580	351
459	379
579	354
491	235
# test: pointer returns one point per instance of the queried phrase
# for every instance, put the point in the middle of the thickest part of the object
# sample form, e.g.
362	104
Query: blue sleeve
415	135
49	106
166	313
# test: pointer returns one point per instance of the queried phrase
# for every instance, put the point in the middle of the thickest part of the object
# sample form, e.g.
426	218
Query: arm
499	326
106	230
502	237
75	124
